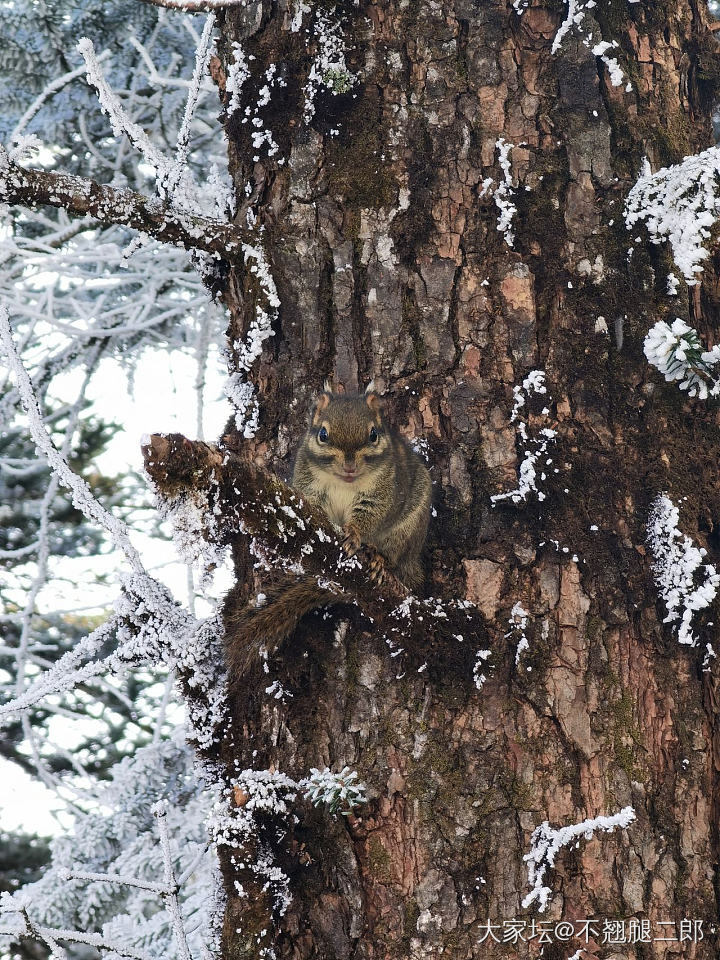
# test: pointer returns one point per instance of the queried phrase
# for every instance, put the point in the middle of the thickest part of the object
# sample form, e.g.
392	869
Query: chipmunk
369	482
373	486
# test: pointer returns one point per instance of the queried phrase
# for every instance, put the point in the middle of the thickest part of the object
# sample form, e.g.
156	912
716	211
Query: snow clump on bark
685	582
535	447
680	204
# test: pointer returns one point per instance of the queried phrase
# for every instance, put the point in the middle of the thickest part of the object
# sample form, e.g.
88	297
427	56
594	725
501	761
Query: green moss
352	668
519	795
356	169
624	728
411	912
379	861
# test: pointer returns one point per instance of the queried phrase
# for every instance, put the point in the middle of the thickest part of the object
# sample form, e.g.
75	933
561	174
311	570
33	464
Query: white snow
504	192
535	448
686	583
547	842
676	351
679	204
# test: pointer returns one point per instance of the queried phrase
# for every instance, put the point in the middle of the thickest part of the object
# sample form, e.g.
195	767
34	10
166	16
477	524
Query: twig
82	496
201	61
170	892
158	888
51	935
49	90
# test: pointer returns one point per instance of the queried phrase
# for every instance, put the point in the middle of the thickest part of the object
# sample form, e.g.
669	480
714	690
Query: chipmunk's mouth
347	477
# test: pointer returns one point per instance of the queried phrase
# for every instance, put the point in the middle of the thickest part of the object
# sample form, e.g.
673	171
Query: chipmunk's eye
322	435
373	435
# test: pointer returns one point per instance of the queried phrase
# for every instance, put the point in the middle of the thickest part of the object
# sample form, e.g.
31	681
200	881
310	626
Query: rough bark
389	264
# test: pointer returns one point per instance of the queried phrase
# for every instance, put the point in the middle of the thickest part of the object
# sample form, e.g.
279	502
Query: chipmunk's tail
252	629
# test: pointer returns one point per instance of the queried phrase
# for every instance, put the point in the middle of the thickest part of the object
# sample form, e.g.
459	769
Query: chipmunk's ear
320	405
373	400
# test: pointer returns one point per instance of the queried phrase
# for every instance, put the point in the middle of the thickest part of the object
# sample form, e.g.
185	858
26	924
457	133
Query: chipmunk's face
347	436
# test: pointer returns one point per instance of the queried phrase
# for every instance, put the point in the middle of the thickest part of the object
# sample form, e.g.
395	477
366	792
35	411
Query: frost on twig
535	448
196	6
150	627
547	842
170	884
339	792
109	205
679	204
676	351
108	876
82	495
177	214
174	178
686	583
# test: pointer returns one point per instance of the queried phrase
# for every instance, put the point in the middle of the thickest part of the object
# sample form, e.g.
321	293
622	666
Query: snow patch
686	583
547	842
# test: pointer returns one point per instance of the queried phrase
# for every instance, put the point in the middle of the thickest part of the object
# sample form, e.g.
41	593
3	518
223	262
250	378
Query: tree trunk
382	236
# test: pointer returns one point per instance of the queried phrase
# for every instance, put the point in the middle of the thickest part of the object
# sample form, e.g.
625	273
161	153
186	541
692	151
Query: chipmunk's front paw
351	541
377	567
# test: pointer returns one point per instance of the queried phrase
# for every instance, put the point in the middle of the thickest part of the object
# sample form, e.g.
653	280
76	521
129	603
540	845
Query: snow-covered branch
83	497
178	170
104	877
170	894
548	841
25	927
287	534
196	6
114	205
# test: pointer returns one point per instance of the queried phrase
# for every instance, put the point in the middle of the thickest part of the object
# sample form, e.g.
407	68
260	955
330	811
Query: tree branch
152	216
287	533
196	6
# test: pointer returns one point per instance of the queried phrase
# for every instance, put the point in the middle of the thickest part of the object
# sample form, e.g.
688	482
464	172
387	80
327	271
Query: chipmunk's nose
349	468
